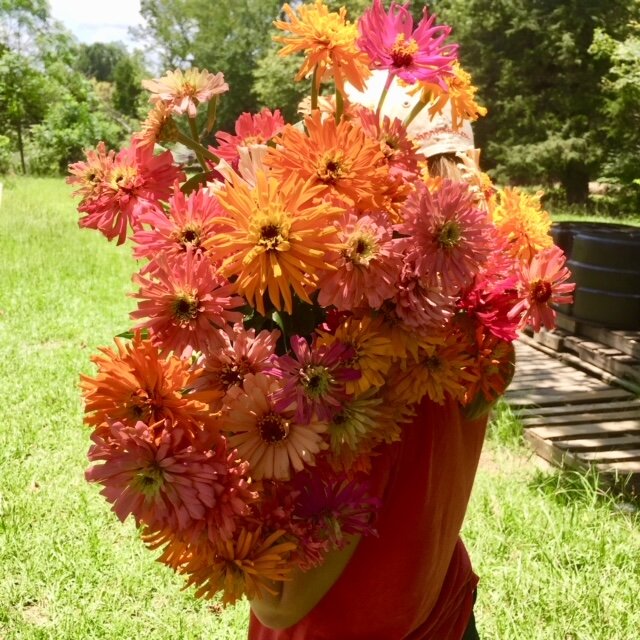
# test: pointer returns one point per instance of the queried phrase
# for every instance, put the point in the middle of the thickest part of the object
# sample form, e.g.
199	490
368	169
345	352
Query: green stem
197	147
339	105
212	111
418	107
314	89
193	127
387	84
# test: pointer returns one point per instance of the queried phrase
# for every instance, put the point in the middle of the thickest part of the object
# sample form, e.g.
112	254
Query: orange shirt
414	580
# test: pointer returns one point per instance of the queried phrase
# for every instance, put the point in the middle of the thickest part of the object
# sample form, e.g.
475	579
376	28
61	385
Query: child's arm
296	597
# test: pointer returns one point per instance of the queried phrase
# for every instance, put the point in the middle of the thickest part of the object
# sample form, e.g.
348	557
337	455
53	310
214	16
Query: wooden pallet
575	420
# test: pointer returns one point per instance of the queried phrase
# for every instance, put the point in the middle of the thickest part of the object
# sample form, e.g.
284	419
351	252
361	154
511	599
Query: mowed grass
557	560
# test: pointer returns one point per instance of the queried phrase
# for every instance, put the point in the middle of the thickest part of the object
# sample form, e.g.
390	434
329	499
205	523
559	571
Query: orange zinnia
339	158
278	237
329	42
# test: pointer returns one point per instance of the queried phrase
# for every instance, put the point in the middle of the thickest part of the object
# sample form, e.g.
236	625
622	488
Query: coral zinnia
328	40
269	439
184	303
250	129
183	91
449	237
339	158
90	176
134	383
130	184
543	282
313	380
393	44
191	219
368	266
277	237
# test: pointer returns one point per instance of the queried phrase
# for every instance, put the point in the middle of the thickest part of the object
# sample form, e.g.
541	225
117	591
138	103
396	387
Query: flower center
189	235
185	307
433	364
331	168
273	428
449	235
148	481
270	236
541	291
403	51
362	249
316	380
123	178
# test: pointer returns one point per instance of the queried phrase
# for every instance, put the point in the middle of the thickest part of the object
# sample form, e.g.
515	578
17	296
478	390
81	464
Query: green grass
557	559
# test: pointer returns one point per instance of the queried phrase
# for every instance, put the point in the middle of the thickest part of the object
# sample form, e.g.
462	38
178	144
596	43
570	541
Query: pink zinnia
368	266
398	149
542	283
163	482
270	440
412	55
242	352
250	129
89	176
184	303
132	185
449	238
313	379
421	306
190	221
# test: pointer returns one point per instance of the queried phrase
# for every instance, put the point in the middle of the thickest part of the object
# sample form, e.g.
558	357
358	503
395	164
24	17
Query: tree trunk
576	182
21	149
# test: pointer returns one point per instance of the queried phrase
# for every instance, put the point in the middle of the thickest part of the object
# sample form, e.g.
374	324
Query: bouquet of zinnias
300	295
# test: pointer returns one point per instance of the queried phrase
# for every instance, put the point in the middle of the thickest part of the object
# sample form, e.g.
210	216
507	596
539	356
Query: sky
98	20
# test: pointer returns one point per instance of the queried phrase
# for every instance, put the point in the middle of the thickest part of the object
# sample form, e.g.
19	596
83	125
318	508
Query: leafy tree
531	62
100	59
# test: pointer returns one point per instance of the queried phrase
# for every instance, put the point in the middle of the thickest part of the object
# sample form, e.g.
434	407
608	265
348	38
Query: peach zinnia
269	439
277	237
338	158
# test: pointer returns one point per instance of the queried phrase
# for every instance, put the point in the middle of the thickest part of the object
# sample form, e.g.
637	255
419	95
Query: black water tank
605	261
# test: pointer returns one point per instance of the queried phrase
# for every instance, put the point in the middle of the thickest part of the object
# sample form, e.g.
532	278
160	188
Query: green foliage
100	59
531	62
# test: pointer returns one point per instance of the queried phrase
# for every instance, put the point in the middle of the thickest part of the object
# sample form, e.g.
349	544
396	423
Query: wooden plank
566	432
593	444
622	405
611	456
630	466
562	459
557	397
578	419
551	385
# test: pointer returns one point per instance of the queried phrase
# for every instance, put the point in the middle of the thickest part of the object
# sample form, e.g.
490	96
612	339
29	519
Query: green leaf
194	182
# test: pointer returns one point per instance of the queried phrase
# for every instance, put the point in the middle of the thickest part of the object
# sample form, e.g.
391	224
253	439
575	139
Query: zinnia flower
241	353
393	44
337	158
189	222
159	126
328	40
183	91
247	565
131	184
184	303
250	129
134	383
90	176
521	220
373	353
313	380
162	481
269	439
543	283
449	238
368	266
277	237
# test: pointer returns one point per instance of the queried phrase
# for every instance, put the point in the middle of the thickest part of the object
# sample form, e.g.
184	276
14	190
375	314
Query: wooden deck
574	419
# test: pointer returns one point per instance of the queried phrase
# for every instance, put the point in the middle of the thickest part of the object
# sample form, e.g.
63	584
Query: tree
100	59
531	62
226	35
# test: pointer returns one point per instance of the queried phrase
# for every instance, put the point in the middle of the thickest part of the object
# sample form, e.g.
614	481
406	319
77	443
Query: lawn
557	560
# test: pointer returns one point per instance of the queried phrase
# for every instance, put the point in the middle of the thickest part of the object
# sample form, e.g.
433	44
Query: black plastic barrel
605	261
